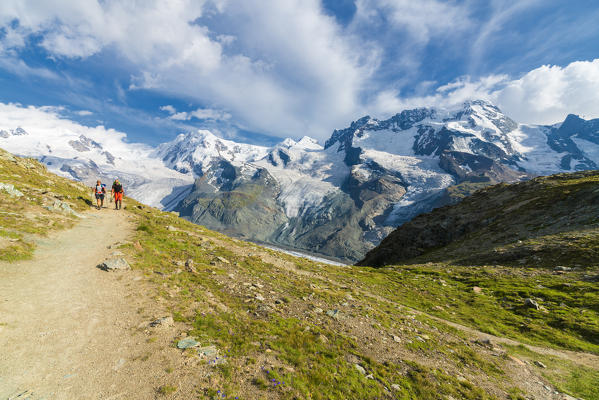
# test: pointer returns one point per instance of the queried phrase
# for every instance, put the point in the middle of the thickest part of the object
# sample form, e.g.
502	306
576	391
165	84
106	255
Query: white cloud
200	113
291	61
169	109
423	19
286	68
545	95
84	113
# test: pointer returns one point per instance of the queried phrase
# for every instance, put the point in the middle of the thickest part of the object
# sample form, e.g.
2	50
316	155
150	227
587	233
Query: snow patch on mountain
88	153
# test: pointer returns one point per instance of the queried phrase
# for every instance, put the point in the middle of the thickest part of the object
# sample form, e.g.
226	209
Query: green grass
25	218
570	319
313	359
568	377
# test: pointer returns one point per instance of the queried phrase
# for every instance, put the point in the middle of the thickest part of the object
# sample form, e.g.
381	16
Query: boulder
10	189
162	322
187	343
115	264
530	303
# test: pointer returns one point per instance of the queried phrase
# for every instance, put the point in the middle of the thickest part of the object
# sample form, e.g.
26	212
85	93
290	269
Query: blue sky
258	71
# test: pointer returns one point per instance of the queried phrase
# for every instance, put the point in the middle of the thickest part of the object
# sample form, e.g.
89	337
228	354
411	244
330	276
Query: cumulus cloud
286	68
200	113
169	109
545	95
423	19
275	67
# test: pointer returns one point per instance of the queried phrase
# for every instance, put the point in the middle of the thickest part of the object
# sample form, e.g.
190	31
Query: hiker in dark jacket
100	191
117	192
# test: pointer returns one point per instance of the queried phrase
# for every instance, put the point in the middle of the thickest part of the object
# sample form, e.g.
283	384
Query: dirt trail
68	330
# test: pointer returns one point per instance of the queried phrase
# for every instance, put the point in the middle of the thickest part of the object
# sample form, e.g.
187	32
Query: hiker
100	192
117	192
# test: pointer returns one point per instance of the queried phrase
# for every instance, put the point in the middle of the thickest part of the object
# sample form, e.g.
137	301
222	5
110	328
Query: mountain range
339	199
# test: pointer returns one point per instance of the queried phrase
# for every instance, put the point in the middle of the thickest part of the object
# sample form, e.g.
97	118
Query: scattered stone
333	313
171	228
208	351
438	308
477	290
114	264
370	376
10	189
396	339
318	310
223	260
189	266
396	387
259	297
323	339
530	303
61	206
258	285
562	268
517	360
187	343
539	364
164	321
360	369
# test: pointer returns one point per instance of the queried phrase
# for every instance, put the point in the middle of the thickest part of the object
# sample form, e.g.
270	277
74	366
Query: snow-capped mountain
87	154
342	198
339	199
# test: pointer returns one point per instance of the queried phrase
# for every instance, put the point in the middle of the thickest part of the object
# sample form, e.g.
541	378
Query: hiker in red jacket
117	192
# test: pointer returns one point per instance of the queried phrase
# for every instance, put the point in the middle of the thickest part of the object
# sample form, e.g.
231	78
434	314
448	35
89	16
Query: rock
10	189
114	264
259	297
323	339
395	387
539	364
171	228
61	206
208	351
189	266
477	290
333	313
517	360
360	369
396	339
562	268
187	343
162	322
223	260
530	303
318	310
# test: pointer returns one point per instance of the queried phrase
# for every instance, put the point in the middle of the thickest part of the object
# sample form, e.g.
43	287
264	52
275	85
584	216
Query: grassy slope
23	219
314	354
289	337
544	222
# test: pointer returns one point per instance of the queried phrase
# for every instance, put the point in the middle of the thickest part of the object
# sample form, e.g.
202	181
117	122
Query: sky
258	71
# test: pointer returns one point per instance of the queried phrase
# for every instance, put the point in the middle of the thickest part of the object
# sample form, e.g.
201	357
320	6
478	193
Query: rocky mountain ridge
340	199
